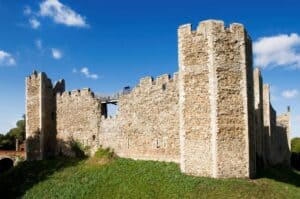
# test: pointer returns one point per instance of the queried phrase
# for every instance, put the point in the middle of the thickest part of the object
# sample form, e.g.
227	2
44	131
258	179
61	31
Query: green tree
296	145
8	141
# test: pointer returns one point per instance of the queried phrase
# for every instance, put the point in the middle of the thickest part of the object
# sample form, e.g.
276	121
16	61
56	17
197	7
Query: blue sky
106	45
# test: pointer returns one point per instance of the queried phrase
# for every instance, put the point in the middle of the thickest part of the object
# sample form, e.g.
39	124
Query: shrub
77	148
296	145
103	156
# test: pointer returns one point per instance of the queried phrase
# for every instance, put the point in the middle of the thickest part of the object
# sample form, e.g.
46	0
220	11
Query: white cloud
290	93
280	50
61	13
86	73
27	10
56	53
6	59
39	44
34	23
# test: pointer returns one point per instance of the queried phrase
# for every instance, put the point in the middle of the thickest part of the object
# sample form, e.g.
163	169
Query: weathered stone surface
146	126
215	78
77	119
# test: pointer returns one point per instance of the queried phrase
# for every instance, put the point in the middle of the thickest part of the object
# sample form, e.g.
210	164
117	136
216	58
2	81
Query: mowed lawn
102	177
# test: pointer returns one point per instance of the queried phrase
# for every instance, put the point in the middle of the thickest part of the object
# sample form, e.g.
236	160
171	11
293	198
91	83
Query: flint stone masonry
77	118
213	117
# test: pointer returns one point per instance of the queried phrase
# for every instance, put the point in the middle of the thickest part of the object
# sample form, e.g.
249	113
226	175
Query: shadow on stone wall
295	161
280	146
33	143
71	148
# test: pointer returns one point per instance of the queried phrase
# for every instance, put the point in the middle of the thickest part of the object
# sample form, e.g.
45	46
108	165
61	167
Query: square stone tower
40	116
216	100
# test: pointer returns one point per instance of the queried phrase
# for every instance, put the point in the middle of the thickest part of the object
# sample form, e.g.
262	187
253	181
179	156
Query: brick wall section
235	136
194	101
146	126
216	107
282	141
40	116
267	122
33	116
77	118
48	128
259	124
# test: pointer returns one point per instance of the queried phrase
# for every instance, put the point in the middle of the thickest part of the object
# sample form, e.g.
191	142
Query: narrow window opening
157	144
94	137
164	87
104	109
53	116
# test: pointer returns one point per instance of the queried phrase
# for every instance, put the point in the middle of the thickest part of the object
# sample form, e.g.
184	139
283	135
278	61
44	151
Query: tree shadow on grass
281	174
15	182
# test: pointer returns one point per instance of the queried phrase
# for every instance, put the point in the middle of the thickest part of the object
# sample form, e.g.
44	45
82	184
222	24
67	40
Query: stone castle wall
282	144
259	120
146	125
214	117
77	118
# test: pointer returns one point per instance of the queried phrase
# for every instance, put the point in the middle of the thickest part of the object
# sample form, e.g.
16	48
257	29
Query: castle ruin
214	117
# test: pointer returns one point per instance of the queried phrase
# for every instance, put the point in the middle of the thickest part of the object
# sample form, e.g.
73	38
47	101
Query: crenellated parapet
85	92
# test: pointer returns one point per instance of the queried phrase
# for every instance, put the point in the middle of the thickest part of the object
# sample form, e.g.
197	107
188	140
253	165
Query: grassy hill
106	176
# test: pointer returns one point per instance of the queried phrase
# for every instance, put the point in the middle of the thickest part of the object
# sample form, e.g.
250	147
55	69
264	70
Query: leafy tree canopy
8	141
296	145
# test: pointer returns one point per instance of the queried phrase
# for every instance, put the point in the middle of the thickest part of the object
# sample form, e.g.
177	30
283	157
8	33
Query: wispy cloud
289	94
74	70
39	44
86	73
6	59
61	14
34	23
56	53
27	10
278	51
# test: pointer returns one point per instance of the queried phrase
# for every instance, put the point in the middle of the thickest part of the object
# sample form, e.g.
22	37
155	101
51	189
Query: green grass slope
106	176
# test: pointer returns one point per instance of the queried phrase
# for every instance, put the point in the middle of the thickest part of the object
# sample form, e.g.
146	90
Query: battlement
59	86
148	82
76	93
208	27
